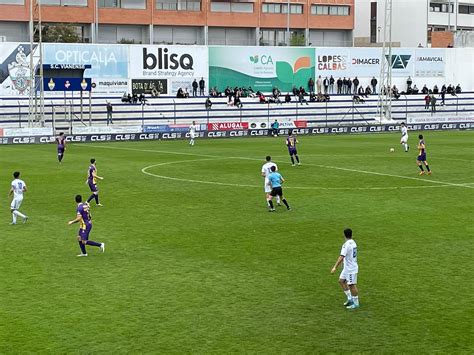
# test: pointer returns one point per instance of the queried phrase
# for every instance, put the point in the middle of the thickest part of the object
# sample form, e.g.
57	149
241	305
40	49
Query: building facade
208	22
414	22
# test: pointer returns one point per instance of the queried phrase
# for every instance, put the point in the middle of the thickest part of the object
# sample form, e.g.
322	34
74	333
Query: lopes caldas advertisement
178	65
261	68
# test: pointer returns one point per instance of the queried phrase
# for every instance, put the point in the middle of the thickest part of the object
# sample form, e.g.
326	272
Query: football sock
278	199
13	217
270	203
83	247
355	299
60	157
297	158
286	203
421	167
91	197
94	244
292	160
19	214
96	198
428	167
348	294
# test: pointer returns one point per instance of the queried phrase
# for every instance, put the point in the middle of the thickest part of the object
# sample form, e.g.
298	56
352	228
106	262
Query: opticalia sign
227	126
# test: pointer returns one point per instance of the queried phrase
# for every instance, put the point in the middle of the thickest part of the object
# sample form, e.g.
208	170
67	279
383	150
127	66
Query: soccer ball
392	150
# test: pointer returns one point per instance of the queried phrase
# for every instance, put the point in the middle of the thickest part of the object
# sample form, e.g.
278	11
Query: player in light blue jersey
276	180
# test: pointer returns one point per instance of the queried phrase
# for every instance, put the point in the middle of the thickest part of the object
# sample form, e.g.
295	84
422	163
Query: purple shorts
60	149
92	186
292	151
421	157
84	233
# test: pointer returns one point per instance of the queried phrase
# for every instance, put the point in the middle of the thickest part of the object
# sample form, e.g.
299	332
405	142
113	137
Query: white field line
316	165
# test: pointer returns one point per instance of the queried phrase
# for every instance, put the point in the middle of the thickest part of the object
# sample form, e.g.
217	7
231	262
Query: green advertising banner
262	68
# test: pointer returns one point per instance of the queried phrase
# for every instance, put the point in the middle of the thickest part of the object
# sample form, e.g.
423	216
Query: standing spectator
326	85
287	98
443	93
433	104
349	86
344	86
109	113
331	85
339	86
356	84
275	126
427	102
311	85
195	87
374	82
409	82
319	82
202	85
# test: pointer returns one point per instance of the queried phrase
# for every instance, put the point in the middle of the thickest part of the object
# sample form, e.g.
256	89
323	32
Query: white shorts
267	186
404	139
16	203
192	135
350	278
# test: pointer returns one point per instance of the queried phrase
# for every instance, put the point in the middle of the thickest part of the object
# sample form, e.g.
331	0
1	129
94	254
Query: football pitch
194	263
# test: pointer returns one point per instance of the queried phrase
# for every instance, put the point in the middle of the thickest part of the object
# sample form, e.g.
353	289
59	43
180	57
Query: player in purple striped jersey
61	142
92	182
421	159
83	217
291	144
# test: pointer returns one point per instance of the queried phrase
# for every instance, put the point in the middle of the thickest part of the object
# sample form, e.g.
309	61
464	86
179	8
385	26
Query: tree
297	40
61	32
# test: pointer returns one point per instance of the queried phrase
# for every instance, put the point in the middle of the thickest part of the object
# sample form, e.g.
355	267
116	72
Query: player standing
192	133
291	144
18	187
404	139
266	170
61	142
275	181
421	159
92	182
348	277
83	216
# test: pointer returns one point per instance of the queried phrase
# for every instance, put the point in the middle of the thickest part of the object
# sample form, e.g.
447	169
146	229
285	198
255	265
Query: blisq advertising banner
15	69
109	63
261	68
178	65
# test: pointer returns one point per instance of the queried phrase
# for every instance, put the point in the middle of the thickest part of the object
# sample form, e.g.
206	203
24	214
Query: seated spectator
180	93
301	98
443	88
230	100
287	97
312	96
261	98
186	93
295	91
424	90
237	102
415	89
458	89
450	89
435	90
134	98
361	91
142	99
251	93
227	91
126	98
208	104
368	91
357	99
303	91
395	92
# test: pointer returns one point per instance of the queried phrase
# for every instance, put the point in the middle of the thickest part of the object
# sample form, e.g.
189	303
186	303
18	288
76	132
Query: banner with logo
429	62
179	65
333	61
366	62
109	63
227	126
261	68
15	69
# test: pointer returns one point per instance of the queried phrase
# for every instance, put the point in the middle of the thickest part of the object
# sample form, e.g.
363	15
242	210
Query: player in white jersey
192	133
18	187
348	277
404	139
266	170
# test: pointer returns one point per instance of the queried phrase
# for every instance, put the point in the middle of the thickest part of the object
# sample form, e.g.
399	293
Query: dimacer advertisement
261	68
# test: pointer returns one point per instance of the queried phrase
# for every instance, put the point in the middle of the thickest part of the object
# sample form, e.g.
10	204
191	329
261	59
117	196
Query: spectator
134	98
109	113
261	98
126	98
419	45
230	100
433	104
349	86
409	82
424	90
443	94
331	85
326	85
374	82
312	97
356	84
443	88
361	91
142	99
302	91
186	93
458	89
427	102
357	99
208	104
339	86
311	85
275	125
195	88
202	85
288	98
295	91
395	92
319	83
180	93
450	89
238	102
450	45
415	89
301	99
344	86
435	90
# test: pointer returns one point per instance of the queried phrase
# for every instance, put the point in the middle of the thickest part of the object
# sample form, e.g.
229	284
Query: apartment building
209	22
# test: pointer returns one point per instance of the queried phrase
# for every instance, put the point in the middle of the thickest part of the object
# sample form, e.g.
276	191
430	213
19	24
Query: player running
421	159
275	181
404	139
348	277
61	142
83	216
18	187
291	144
192	133
266	170
92	182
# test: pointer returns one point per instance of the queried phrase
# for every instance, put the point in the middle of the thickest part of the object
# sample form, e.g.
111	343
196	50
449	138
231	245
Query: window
373	22
274	8
330	10
436	7
280	38
12	2
231	6
180	5
296	9
466	9
124	4
63	2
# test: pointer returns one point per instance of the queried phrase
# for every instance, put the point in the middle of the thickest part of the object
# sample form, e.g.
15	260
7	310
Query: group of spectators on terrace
134	99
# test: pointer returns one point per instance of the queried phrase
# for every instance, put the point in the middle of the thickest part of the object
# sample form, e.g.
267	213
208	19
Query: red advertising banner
301	124
227	126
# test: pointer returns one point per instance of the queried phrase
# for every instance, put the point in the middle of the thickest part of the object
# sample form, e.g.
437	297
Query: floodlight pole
288	22
385	97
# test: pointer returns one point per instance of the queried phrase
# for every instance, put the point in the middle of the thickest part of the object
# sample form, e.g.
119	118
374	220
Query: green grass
192	267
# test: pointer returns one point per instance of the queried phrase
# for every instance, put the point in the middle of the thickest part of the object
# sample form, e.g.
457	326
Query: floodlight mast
385	96
36	92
